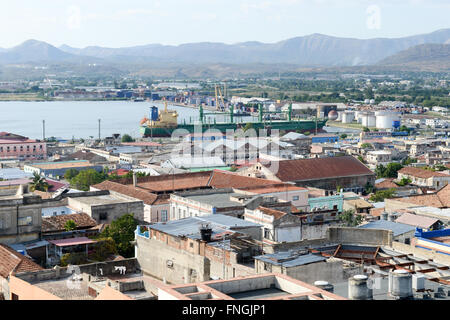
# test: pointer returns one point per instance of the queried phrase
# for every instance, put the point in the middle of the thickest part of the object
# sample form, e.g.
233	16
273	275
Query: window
103	215
266	233
295	198
163	215
25	221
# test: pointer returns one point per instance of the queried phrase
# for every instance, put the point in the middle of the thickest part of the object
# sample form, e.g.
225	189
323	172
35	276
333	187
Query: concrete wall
27	291
153	257
362	236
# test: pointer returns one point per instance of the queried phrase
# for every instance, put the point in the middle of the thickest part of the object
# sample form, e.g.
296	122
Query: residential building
58	169
13	146
424	178
325	173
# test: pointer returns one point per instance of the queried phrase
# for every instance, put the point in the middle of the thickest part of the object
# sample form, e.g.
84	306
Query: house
12	262
278	226
197	248
326	173
358	205
58	169
54	227
424	178
378	157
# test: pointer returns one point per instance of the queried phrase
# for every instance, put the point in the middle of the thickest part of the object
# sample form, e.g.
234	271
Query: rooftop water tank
358	289
400	284
324	285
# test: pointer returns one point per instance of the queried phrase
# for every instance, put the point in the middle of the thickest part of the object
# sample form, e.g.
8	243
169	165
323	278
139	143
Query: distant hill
37	51
311	50
426	57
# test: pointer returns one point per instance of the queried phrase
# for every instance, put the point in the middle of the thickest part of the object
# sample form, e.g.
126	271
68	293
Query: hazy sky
119	23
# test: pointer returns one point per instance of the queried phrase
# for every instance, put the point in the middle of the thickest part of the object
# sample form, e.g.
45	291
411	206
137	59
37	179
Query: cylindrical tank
386	120
400	284
384	216
324	285
348	117
358	289
368	120
339	118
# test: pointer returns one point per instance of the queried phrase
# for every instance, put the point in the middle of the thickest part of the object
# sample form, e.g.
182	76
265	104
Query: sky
119	23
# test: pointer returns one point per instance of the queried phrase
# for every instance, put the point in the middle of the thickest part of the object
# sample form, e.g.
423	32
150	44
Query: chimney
134	180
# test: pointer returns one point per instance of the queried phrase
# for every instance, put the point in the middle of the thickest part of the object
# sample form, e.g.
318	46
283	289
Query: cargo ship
163	123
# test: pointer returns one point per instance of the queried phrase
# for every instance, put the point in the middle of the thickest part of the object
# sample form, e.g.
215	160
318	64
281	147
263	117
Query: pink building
13	146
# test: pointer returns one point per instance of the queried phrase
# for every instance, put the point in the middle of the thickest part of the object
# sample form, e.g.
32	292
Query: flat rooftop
218	200
101	200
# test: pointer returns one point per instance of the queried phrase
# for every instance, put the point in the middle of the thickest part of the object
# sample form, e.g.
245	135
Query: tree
379	196
127	138
365	129
70	225
404	182
39	183
390	171
121	231
350	218
248	126
360	158
70	174
86	178
366	146
343	136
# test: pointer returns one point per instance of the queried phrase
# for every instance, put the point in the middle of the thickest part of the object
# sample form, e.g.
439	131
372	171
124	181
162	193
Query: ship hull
288	126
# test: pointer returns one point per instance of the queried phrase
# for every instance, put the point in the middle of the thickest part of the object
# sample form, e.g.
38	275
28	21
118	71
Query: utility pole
224	255
43	130
99	120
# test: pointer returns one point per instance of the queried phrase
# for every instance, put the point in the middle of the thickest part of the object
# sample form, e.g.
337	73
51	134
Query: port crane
218	94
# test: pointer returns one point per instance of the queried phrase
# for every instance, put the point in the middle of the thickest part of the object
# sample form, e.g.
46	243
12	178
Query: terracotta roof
359	203
444	195
386	184
223	179
319	168
11	260
416	220
271	212
421	173
273	188
57	223
83	155
128	190
427	200
376	212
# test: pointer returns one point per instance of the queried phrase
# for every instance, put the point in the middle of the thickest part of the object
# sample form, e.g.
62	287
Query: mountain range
314	50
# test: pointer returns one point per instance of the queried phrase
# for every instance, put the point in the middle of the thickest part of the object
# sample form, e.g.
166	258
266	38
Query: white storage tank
386	120
324	285
400	284
348	117
369	120
339	118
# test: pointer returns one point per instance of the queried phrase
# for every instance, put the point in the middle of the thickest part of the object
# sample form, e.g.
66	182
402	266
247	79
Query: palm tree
39	183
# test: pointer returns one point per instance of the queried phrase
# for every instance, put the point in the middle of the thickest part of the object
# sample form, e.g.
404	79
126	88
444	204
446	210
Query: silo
358	289
400	284
347	117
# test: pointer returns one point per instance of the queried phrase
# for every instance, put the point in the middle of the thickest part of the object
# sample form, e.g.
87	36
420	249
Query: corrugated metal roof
396	228
191	226
290	259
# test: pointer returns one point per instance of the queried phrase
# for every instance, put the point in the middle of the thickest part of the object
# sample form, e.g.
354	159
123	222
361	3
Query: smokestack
134	180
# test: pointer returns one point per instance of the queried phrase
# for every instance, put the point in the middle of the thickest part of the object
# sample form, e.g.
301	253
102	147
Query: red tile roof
13	261
57	223
271	212
416	220
224	179
387	183
421	173
319	168
128	190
